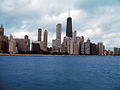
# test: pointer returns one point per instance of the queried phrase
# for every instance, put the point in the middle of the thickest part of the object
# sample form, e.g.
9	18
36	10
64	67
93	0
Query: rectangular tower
1	30
69	27
45	39
58	31
39	34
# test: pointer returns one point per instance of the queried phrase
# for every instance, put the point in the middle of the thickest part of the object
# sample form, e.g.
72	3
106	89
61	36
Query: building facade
100	48
93	50
4	44
23	45
12	45
69	27
87	47
58	31
75	49
39	34
38	47
45	40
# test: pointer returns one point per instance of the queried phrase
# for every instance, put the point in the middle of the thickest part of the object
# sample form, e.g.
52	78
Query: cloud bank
96	19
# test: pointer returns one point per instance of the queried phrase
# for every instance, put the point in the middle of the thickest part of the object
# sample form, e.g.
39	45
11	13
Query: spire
1	25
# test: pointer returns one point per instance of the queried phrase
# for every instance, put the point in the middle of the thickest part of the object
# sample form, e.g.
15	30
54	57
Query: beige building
56	45
58	31
75	49
12	45
19	45
67	45
74	35
45	40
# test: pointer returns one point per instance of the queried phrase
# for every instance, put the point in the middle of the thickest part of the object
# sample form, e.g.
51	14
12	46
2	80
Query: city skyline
98	21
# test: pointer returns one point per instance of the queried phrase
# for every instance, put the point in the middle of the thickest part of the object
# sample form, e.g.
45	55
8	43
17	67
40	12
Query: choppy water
59	73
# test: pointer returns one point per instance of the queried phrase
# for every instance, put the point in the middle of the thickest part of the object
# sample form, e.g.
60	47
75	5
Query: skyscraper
56	43
69	26
45	39
58	31
1	30
75	48
116	50
82	46
93	50
39	34
100	48
87	47
3	41
74	35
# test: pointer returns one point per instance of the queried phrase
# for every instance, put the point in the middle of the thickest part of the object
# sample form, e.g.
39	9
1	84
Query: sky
98	20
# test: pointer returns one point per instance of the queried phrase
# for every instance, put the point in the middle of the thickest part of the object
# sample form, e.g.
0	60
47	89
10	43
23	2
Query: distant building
67	45
74	35
105	52
1	30
23	45
75	49
69	27
110	52
87	47
93	50
45	40
40	46
4	44
37	47
12	45
58	31
100	48
78	43
77	40
116	51
82	46
39	34
56	43
82	39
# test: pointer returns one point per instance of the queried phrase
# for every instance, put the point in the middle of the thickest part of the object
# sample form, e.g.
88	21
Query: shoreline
2	54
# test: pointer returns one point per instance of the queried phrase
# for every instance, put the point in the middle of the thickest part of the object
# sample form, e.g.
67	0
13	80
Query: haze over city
96	19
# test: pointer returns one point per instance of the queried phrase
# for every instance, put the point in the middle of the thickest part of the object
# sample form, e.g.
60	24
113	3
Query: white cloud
101	24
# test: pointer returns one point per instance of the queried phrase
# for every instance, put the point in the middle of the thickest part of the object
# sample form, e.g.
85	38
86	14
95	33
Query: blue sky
97	19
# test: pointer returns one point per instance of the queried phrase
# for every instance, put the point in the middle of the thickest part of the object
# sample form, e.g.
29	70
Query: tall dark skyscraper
69	26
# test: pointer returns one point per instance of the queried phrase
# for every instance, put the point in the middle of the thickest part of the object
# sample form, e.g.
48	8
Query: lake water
59	73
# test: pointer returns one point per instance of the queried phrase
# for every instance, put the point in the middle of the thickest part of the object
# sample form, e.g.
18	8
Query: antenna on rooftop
69	12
